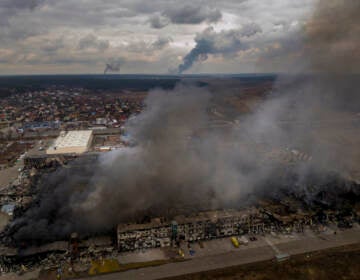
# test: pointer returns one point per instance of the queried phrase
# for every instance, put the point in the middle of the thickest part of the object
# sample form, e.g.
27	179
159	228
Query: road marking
276	250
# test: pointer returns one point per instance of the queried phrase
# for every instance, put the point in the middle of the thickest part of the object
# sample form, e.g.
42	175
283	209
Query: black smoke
210	42
172	170
113	66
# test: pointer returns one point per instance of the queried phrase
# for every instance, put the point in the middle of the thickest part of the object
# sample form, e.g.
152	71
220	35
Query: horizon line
142	74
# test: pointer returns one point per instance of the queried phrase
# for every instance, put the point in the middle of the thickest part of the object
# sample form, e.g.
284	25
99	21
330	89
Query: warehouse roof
71	139
76	138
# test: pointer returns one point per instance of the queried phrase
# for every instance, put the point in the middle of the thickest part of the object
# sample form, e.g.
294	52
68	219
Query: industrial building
216	224
203	226
71	142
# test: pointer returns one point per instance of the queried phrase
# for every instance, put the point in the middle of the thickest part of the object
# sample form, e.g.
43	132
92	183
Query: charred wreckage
336	201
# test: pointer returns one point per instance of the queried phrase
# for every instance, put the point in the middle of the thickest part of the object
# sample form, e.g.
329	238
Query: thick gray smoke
320	106
169	171
174	170
333	37
222	43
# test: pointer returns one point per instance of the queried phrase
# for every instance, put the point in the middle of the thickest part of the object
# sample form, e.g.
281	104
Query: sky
151	36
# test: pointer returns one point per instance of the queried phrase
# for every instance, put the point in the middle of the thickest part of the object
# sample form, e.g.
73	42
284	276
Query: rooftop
71	139
181	219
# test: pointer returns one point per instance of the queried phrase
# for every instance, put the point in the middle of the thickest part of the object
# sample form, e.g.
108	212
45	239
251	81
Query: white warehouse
71	142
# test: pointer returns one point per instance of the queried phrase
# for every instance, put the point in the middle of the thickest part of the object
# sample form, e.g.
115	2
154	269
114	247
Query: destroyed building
205	226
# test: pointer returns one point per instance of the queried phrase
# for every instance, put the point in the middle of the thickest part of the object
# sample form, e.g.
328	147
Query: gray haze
333	37
90	41
172	170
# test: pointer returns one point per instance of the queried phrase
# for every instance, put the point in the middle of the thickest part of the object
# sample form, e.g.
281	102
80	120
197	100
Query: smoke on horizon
113	66
210	42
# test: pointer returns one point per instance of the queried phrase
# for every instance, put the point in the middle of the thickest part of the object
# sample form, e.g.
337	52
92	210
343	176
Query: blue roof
8	208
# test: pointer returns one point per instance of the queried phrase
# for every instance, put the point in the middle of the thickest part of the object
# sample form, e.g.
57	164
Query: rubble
269	217
285	215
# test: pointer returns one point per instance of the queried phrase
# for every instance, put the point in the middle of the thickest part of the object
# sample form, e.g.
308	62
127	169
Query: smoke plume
175	170
113	66
222	43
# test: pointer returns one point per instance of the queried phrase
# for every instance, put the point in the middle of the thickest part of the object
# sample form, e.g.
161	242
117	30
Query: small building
41	125
101	121
8	209
71	142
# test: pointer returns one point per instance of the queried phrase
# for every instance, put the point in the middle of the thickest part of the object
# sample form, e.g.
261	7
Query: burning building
205	226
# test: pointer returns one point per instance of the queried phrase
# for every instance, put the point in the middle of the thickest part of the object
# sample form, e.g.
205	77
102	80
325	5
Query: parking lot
224	245
221	253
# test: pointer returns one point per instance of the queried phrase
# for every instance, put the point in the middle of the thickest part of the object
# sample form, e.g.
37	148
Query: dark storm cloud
52	46
192	14
13	5
185	14
149	47
223	43
158	21
9	8
28	23
90	41
161	43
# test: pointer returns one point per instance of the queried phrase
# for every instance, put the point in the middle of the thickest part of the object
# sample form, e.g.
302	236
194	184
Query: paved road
265	252
8	175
